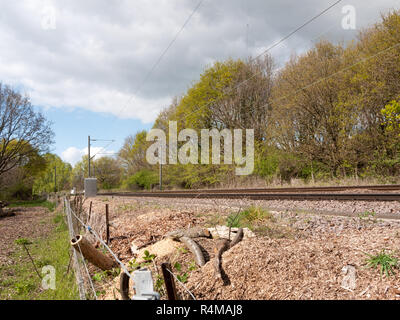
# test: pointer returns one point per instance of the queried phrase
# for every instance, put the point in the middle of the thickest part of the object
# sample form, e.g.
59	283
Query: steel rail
293	189
265	196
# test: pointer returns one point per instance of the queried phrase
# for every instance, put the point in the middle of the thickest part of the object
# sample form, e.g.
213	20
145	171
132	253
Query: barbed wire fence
83	278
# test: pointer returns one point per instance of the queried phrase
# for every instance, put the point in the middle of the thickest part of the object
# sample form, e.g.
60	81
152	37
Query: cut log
221	246
94	256
195	249
195	232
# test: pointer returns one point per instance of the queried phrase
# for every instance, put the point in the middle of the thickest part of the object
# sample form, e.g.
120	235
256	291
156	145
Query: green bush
143	179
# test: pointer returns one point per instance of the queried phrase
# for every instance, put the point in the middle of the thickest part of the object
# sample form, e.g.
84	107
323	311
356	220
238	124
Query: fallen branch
195	249
222	246
238	238
195	232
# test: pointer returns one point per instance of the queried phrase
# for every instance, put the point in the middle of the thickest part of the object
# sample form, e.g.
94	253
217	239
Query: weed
386	261
148	260
248	217
99	276
159	285
367	214
182	250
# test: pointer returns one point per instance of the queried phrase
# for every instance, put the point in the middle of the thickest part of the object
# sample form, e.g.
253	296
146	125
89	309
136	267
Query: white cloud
101	50
73	155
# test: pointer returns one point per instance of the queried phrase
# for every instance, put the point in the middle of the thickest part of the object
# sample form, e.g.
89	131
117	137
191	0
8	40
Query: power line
296	30
162	55
338	72
273	46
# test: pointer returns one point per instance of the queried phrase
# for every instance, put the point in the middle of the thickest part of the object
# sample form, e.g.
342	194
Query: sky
84	64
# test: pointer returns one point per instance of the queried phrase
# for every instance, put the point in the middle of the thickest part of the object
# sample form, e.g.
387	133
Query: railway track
299	194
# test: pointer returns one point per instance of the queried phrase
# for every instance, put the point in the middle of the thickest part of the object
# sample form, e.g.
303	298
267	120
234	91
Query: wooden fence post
107	225
169	282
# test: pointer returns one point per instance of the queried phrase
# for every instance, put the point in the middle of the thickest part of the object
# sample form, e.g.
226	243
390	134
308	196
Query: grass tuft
248	217
387	262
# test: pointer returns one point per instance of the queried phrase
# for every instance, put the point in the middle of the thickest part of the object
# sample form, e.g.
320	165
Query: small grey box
90	187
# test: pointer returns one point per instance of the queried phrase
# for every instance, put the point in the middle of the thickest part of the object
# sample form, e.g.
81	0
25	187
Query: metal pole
89	156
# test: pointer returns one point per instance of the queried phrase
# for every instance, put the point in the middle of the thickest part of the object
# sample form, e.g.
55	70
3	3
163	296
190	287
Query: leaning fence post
169	282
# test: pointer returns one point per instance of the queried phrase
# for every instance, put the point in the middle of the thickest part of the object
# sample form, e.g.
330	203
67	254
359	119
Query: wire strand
269	49
181	283
88	273
124	268
161	56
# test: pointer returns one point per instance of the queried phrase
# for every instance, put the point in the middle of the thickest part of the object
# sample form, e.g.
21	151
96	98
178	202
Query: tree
18	182
23	132
133	153
309	115
108	172
45	182
79	172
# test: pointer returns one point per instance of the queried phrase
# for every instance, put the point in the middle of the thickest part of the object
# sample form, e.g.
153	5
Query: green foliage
45	182
391	114
34	203
248	217
108	172
18	281
22	242
148	257
99	276
144	179
148	260
367	214
178	266
332	112
387	262
182	276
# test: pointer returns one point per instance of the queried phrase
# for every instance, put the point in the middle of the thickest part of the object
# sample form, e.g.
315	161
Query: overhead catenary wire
272	47
321	79
336	73
102	148
162	55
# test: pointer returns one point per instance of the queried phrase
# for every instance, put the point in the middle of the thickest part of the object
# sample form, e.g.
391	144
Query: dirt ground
27	223
295	255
